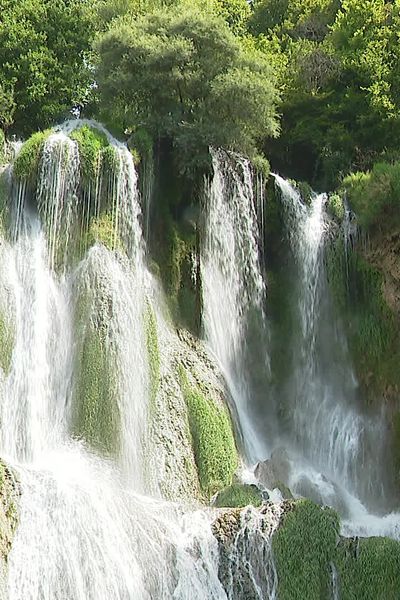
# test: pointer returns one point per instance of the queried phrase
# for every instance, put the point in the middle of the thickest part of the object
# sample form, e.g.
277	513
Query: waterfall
75	398
324	426
233	286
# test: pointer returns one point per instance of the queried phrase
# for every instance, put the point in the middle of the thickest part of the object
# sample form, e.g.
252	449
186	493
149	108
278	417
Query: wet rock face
9	496
275	472
246	566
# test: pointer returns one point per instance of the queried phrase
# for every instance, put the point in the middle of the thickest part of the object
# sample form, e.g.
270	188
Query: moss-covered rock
96	416
238	496
375	195
102	230
7	341
213	440
27	162
91	142
304	546
2	147
153	351
368	569
4	202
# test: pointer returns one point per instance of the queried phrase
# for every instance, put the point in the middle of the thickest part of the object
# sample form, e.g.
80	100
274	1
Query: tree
44	58
180	73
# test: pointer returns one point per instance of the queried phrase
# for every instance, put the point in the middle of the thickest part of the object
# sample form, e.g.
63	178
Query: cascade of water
233	287
323	421
84	532
246	564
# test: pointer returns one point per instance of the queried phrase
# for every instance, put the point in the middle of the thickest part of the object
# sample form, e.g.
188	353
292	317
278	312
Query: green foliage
91	142
7	106
336	208
44	60
213	441
238	496
303	547
182	74
368	569
261	165
153	350
375	195
27	162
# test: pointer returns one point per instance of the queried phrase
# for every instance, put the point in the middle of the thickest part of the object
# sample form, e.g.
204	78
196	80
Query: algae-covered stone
238	496
102	229
304	546
153	351
27	162
368	568
7	340
213	440
91	142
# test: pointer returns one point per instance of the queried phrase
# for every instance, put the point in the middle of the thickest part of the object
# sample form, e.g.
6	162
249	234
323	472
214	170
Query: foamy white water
233	287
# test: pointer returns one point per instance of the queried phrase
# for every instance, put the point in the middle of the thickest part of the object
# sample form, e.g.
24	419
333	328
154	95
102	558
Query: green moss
7	341
335	206
4	203
368	569
2	147
238	496
305	190
303	547
307	544
109	159
102	229
97	417
213	441
153	351
91	143
372	329
27	162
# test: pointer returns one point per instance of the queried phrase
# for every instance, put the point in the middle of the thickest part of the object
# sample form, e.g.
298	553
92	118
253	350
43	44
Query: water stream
89	525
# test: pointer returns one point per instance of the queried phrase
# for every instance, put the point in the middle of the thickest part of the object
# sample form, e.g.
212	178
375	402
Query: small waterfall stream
233	286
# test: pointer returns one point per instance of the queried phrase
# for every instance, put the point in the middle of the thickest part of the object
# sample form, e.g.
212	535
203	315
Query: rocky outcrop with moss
194	452
295	549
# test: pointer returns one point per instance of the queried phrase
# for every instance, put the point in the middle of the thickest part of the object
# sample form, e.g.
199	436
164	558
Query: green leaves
44	60
181	73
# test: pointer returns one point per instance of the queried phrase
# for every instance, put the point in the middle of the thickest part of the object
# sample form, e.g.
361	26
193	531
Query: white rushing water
88	526
233	286
337	451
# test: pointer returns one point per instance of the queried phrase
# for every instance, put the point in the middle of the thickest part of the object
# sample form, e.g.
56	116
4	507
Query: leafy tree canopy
44	57
181	73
